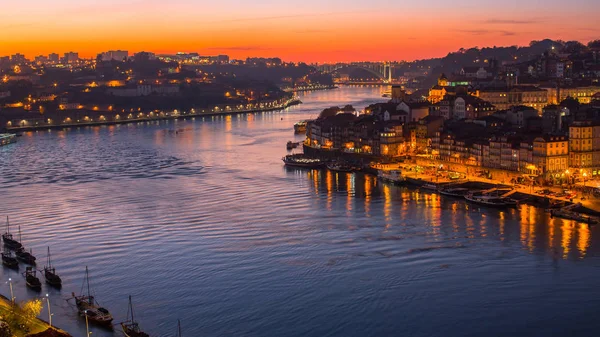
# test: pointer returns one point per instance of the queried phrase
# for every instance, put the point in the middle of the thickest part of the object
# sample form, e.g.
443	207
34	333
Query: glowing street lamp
12	295
49	313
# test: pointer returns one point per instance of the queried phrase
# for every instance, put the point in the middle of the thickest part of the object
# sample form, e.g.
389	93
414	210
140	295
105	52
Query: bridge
382	71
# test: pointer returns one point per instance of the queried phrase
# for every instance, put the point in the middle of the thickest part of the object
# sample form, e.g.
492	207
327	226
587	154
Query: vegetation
21	319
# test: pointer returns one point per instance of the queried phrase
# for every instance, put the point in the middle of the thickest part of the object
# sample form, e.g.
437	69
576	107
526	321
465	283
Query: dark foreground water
207	226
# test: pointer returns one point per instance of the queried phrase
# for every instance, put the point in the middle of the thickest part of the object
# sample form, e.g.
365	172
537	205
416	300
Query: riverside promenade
94	118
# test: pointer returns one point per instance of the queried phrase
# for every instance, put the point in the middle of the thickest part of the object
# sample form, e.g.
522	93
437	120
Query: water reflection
447	217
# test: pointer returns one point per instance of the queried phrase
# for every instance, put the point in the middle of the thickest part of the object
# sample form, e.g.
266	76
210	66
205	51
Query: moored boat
454	192
339	167
295	160
31	279
22	254
8	239
50	274
9	260
88	306
25	256
431	187
292	145
130	327
300	127
491	200
7	138
391	176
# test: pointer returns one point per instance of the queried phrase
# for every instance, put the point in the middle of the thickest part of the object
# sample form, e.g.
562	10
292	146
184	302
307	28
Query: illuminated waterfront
206	225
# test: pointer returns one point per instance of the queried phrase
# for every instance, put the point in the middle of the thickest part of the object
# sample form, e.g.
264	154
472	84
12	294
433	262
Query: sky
299	30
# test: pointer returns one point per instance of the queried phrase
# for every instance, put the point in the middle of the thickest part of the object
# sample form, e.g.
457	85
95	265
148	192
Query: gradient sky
303	30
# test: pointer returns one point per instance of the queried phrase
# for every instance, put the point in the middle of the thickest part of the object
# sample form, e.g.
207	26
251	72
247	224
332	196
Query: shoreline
6	303
313	89
183	115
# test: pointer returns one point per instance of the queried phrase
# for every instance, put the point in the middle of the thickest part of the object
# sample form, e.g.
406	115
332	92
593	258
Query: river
204	224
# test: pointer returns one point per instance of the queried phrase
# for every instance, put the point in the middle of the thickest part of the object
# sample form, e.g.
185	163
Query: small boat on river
300	127
491	200
431	187
22	254
301	161
339	167
458	192
89	307
391	176
130	327
50	274
8	239
9	260
31	279
292	145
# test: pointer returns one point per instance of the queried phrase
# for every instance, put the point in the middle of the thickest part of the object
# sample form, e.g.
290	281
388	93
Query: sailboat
22	254
87	305
9	260
31	279
50	273
8	238
130	327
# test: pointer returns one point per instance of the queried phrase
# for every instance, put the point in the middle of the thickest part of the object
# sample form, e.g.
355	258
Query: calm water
207	226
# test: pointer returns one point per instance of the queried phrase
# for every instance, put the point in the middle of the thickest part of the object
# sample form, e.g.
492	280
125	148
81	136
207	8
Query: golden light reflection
583	239
329	185
351	193
387	202
567	235
368	189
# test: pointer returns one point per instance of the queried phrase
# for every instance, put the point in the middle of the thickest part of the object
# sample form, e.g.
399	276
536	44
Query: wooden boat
339	167
25	256
454	192
31	279
291	145
130	327
89	307
491	200
391	176
295	160
50	273
431	187
9	260
22	254
8	239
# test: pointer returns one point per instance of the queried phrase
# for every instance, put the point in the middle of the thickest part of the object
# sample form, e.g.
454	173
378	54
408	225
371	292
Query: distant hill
475	56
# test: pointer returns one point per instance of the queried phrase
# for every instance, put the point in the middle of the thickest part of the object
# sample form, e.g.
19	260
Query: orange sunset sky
309	30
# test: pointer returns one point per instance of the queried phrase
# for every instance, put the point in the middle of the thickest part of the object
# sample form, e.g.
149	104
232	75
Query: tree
5	330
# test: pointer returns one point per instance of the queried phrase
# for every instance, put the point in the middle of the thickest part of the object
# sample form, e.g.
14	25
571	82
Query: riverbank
35	327
315	88
44	124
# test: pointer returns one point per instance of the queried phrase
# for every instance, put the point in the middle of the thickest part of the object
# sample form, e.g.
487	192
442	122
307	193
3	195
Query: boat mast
7	226
178	328
20	238
131	309
49	263
87	279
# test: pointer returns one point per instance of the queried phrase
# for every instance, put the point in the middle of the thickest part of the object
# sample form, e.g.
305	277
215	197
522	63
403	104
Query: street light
49	313
87	325
12	295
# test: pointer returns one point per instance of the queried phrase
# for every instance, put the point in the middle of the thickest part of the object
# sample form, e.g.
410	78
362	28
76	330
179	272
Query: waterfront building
584	147
551	154
552	118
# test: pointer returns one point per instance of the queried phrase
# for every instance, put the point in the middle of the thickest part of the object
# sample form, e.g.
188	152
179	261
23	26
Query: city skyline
336	31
